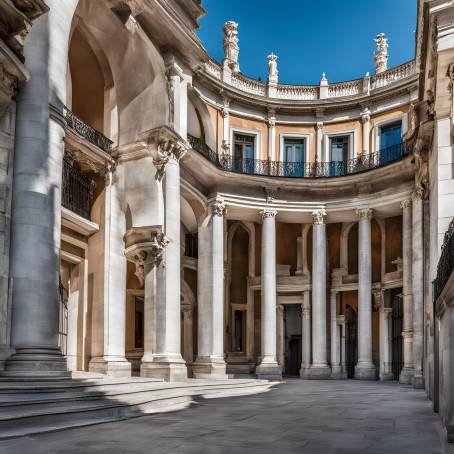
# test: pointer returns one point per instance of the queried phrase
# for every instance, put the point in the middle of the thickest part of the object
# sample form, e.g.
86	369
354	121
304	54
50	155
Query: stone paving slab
298	416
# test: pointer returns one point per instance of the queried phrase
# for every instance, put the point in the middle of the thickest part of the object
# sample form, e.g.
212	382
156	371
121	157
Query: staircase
30	407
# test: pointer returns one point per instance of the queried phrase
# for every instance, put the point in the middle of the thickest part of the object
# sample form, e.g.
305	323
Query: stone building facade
166	215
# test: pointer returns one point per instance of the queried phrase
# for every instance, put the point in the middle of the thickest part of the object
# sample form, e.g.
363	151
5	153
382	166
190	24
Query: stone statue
231	49
272	68
381	54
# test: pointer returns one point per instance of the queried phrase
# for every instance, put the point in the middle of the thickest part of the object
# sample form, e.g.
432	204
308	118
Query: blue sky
311	36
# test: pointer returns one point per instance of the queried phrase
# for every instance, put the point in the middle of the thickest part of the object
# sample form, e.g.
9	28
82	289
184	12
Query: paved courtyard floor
298	416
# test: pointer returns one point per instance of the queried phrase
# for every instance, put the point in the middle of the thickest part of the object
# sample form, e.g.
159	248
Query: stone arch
203	117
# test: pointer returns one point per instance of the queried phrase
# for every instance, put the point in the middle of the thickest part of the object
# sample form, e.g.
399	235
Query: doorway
293	341
351	341
397	326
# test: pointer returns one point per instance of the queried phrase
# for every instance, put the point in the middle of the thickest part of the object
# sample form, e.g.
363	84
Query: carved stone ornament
405	204
419	194
365	213
420	160
319	217
133	7
272	68
167	150
381	54
268	213
231	49
218	207
271	194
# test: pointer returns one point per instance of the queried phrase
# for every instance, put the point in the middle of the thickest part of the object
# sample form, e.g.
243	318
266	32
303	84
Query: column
210	362
407	373
336	371
280	335
365	368
365	117
385	353
35	214
306	334
225	126
319	147
343	344
271	135
268	367
167	362
418	287
188	341
319	367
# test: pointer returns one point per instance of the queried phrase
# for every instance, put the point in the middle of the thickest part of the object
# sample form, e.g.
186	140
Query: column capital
280	308
405	204
225	112
168	149
319	125
365	117
418	194
145	244
407	333
364	213
218	206
319	217
268	213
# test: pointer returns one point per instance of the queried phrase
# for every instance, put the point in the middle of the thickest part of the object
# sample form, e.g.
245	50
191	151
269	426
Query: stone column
167	362
365	368
407	373
188	341
306	334
319	367
336	371
268	367
385	354
342	346
36	199
365	117
280	335
272	135
210	278
418	288
226	126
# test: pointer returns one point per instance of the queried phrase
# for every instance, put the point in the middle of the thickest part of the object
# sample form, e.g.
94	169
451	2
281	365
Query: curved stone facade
203	223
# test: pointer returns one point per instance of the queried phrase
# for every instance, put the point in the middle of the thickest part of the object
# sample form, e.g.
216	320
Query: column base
365	372
37	362
165	368
386	376
210	369
318	373
419	381
268	371
337	373
406	376
118	367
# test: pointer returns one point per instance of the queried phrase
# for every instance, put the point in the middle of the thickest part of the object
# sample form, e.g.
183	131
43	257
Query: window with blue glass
339	147
390	142
293	157
243	153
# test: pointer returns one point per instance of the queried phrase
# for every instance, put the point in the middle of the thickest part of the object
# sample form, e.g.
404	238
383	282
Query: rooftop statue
272	68
381	54
231	49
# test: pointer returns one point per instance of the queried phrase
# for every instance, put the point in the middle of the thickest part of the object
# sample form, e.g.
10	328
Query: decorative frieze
319	217
365	213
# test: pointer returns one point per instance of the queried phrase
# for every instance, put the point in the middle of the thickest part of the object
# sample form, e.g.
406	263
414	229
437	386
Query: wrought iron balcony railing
446	263
87	132
77	190
230	163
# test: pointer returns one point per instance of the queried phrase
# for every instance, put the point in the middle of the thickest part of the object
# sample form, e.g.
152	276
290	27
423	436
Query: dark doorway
293	342
397	325
351	341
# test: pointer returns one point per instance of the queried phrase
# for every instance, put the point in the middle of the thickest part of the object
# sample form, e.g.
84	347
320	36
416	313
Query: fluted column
319	367
418	287
365	369
385	353
335	338
268	367
210	356
306	334
407	373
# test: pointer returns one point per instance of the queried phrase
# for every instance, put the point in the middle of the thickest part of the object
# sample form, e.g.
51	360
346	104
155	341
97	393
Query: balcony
262	167
446	262
79	127
77	190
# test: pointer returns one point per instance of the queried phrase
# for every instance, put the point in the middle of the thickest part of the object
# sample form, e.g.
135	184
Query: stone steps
26	410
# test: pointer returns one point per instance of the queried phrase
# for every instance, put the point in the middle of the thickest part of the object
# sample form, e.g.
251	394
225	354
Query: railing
77	190
351	88
263	167
248	85
297	92
446	262
87	132
393	75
